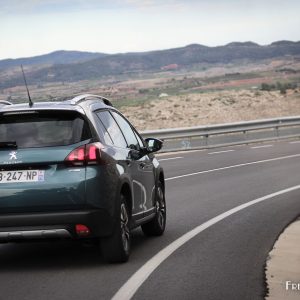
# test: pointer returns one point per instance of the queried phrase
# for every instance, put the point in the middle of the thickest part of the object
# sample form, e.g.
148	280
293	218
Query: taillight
92	152
82	230
89	154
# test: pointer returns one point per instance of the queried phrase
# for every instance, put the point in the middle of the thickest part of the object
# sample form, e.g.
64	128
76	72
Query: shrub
282	87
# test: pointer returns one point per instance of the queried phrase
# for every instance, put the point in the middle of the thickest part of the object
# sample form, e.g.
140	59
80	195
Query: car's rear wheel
157	225
116	248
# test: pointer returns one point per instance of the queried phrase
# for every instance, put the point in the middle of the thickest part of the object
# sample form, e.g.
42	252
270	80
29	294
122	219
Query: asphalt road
223	259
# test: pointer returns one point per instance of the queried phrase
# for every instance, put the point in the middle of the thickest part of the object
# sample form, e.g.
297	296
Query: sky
36	27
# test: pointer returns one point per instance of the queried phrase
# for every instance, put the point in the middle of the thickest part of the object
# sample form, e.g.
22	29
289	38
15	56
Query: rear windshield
44	129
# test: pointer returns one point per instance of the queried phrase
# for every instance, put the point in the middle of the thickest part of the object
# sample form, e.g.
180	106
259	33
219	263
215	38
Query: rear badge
13	155
13	158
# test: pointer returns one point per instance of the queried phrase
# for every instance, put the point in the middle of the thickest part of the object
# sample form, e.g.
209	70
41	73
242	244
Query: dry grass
213	108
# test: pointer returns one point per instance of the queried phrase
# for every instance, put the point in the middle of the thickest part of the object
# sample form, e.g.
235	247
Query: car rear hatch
34	172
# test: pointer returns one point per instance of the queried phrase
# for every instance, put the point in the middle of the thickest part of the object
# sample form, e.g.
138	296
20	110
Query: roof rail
3	102
86	97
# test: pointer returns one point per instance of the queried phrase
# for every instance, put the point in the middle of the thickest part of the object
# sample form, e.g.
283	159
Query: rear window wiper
8	144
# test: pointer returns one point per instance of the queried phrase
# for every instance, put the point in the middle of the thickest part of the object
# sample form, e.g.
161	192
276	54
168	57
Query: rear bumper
54	225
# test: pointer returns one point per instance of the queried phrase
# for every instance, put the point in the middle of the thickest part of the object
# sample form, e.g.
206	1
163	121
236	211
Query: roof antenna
29	98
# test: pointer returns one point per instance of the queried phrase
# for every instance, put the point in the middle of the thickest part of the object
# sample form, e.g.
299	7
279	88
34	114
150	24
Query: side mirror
153	144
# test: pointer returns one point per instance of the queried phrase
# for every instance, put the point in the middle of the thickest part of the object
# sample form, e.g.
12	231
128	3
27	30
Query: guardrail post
245	135
277	131
206	139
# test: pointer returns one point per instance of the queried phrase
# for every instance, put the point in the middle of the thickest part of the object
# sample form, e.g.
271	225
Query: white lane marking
234	166
179	152
264	146
130	287
170	158
295	142
220	152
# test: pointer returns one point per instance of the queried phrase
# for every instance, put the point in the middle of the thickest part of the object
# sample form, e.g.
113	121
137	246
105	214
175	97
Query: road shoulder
283	265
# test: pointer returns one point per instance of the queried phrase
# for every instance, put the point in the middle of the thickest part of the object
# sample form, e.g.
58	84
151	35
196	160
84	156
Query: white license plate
22	176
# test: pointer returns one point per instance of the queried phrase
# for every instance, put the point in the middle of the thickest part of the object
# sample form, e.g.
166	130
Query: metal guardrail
203	137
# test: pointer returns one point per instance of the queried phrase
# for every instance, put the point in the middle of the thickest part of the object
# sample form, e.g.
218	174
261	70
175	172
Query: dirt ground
213	108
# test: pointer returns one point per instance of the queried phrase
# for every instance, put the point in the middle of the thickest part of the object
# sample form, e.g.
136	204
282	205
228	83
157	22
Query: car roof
80	103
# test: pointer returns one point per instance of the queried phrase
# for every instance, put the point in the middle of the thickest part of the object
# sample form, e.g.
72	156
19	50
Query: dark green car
78	169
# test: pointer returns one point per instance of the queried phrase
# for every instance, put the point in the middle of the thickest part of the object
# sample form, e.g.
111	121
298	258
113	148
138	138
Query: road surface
225	209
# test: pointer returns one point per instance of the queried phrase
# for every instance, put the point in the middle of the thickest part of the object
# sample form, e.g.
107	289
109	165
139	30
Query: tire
157	225
116	248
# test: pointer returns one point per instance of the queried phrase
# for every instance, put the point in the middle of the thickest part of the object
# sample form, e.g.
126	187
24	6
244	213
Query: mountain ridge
98	65
55	57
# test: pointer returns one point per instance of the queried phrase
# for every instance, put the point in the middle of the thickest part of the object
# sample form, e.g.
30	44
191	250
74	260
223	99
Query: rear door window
112	128
44	129
127	130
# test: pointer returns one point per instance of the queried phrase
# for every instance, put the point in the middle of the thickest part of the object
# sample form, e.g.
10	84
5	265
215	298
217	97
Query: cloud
31	27
152	3
48	6
51	6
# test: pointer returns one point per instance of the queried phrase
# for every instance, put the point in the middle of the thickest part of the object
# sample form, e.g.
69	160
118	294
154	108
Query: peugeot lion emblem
13	155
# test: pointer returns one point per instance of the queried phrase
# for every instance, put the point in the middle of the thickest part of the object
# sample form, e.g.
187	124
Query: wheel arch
127	193
161	179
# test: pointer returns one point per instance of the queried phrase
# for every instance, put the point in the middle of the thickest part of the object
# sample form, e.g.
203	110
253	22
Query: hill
191	56
57	57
